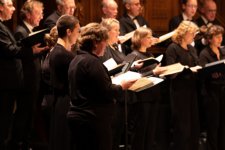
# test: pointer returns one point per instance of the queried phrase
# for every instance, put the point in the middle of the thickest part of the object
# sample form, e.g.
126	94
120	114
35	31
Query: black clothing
51	20
214	93
92	104
59	61
184	103
111	52
11	79
146	109
22	123
127	25
200	22
198	42
145	71
175	21
11	76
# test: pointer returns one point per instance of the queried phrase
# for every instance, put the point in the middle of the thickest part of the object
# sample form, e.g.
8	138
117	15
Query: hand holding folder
35	38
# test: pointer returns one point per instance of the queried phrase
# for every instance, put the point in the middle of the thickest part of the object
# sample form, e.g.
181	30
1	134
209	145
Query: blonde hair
28	7
182	29
139	34
109	23
51	38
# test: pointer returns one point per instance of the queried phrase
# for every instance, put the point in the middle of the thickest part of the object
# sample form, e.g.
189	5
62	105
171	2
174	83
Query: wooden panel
221	11
156	12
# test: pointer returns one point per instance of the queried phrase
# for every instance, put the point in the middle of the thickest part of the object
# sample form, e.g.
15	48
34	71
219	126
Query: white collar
205	20
30	27
185	16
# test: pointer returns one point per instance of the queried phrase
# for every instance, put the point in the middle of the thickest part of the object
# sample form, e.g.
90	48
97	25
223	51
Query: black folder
217	66
116	70
35	38
129	64
149	61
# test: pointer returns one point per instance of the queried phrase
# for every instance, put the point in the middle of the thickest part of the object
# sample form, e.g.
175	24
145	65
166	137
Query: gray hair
59	2
2	2
127	1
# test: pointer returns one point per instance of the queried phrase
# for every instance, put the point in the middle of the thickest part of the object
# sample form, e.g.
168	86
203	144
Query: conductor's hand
127	83
37	49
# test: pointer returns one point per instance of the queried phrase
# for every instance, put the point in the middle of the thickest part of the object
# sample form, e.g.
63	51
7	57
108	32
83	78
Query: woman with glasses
189	9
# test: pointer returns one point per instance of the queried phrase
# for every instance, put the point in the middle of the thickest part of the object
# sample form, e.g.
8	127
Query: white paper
110	63
128	76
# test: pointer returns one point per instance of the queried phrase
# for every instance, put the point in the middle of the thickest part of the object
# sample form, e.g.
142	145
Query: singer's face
134	7
114	33
68	7
216	40
190	8
147	41
210	11
35	16
189	37
111	11
74	34
7	10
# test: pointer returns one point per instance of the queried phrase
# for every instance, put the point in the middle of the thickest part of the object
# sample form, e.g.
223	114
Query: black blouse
208	56
90	84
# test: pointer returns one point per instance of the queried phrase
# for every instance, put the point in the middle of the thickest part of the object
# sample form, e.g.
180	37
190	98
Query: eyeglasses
192	6
211	11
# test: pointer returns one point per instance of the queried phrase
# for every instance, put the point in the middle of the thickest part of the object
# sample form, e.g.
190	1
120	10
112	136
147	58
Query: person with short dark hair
207	18
68	28
189	9
132	19
92	93
63	7
214	89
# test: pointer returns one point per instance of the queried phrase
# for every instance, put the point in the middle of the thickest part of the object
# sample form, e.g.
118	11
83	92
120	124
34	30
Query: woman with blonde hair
113	49
145	110
183	90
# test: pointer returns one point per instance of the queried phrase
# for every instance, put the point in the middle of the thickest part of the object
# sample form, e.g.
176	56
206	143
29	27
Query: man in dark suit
109	9
63	7
189	8
132	19
31	14
207	18
11	72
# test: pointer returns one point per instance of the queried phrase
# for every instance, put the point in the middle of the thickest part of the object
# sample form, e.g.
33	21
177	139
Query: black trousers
215	114
7	100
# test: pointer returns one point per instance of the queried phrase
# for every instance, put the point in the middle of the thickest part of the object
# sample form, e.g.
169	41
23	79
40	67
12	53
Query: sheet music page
166	36
145	83
172	69
159	58
128	76
110	64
